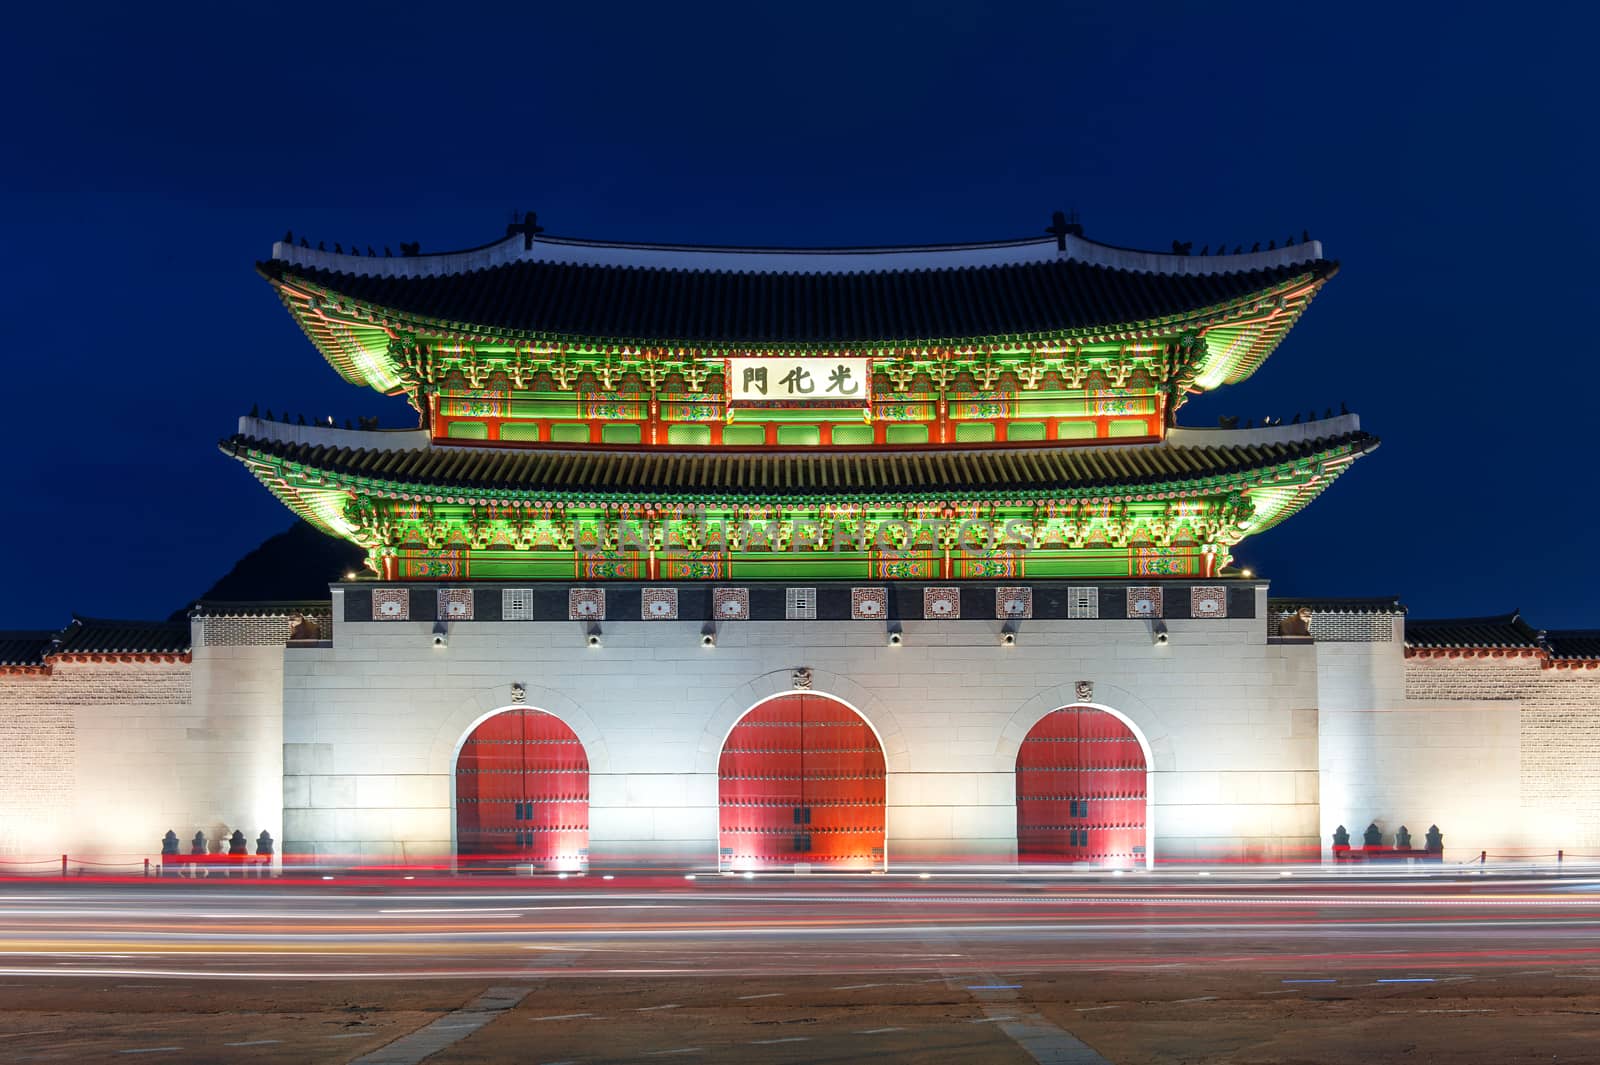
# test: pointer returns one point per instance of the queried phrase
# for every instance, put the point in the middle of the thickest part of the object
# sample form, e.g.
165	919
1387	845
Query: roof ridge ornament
527	224
1061	227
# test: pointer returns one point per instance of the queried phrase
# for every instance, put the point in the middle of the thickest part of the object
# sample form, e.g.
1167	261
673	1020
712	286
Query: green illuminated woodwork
1178	528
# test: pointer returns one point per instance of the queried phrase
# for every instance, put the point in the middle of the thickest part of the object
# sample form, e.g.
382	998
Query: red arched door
1081	790
801	781
522	794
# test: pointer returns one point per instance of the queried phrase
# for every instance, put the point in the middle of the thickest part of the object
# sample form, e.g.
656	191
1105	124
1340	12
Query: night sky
1447	159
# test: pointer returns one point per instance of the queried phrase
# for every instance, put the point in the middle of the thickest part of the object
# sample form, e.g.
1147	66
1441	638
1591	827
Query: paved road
802	969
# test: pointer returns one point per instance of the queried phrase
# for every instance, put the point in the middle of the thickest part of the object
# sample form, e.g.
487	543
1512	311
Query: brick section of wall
254	632
39	756
1559	726
1342	628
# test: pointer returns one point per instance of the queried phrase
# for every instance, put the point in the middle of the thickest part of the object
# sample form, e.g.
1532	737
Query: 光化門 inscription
799	380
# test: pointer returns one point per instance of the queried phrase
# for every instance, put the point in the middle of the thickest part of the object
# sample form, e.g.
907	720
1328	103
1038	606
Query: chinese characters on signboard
837	380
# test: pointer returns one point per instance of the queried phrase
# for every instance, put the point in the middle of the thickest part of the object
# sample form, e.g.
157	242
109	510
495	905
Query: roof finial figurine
370	253
1342	408
1296	419
1182	247
1328	413
304	243
303	419
269	414
1305	236
322	245
1272	245
1205	250
255	410
338	249
1238	249
387	254
1256	246
288	237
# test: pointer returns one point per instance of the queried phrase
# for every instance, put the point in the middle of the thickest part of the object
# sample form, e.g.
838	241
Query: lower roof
712	475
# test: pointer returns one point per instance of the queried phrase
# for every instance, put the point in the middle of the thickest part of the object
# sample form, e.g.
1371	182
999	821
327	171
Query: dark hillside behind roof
297	563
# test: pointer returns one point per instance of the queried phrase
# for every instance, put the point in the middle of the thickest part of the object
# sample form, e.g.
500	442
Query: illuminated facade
755	558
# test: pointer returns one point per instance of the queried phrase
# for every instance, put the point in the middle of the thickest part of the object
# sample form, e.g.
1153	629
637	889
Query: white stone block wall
1454	765
372	725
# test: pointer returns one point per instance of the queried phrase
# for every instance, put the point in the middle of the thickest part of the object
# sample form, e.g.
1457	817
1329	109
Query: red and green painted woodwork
473	383
1184	527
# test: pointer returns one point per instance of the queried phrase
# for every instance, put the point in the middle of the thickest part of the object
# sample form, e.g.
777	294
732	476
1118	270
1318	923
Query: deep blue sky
1446	157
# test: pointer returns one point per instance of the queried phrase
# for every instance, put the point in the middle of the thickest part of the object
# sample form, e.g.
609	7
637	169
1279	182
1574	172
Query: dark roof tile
1506	631
1571	644
704	306
105	636
24	647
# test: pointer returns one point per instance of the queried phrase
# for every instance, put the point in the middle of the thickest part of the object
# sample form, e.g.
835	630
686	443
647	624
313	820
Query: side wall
1392	755
101	759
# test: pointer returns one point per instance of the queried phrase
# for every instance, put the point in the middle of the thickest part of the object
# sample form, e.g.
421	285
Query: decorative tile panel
1208	602
516	604
869	604
941	603
800	604
658	604
1144	602
586	604
730	604
455	604
1013	603
391	604
1083	602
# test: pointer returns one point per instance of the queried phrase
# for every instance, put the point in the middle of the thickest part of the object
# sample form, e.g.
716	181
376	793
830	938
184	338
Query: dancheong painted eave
548	295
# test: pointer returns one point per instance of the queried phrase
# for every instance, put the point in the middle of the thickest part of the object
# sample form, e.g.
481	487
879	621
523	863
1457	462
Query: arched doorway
1081	790
801	781
522	793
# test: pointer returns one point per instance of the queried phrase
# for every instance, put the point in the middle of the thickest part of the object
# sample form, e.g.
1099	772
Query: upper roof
536	289
694	304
